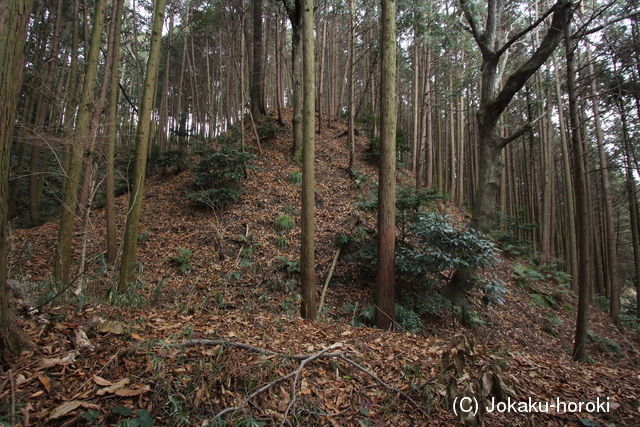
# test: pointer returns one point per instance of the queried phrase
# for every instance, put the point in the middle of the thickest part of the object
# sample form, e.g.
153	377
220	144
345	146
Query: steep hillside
212	323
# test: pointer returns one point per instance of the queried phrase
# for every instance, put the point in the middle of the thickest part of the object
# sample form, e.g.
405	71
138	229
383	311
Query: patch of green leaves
295	178
440	246
282	242
290	266
268	128
218	175
493	291
408	320
607	344
131	297
182	260
284	223
143	419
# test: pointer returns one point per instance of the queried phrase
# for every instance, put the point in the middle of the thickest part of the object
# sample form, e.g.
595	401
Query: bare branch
473	28
583	31
211	343
304	358
292	404
524	32
382	383
516	81
517	134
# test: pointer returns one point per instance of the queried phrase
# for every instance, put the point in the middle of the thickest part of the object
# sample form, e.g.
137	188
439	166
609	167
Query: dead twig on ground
295	374
305	358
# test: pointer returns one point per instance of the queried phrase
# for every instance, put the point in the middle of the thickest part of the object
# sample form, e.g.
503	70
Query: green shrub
284	223
175	160
295	178
408	320
421	296
507	232
494	291
440	247
182	260
290	210
218	175
217	197
268	128
282	242
607	344
290	266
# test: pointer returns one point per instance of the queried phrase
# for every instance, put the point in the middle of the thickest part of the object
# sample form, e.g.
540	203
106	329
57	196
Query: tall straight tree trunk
164	102
257	87
386	278
427	133
89	170
415	125
460	170
548	173
111	138
130	244
62	264
294	10
352	89
321	72
582	217
307	255
631	196
609	226
35	177
279	89
14	15
572	243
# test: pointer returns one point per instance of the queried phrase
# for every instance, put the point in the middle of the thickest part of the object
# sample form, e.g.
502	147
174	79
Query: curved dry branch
304	358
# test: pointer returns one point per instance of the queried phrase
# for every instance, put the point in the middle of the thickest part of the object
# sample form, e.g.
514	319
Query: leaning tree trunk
14	15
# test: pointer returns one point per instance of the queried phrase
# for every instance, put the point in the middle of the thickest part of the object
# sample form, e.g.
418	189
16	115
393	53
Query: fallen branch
382	383
292	404
326	282
211	343
296	373
304	358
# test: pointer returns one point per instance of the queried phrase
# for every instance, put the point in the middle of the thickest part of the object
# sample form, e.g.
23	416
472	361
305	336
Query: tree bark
572	245
294	11
130	245
352	92
62	265
14	15
582	217
111	137
386	278
257	87
609	219
307	255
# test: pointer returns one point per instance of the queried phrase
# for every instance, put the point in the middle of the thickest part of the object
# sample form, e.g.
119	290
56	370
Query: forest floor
212	324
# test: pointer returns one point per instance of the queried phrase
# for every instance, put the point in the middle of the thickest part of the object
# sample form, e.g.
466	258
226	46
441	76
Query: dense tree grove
525	113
